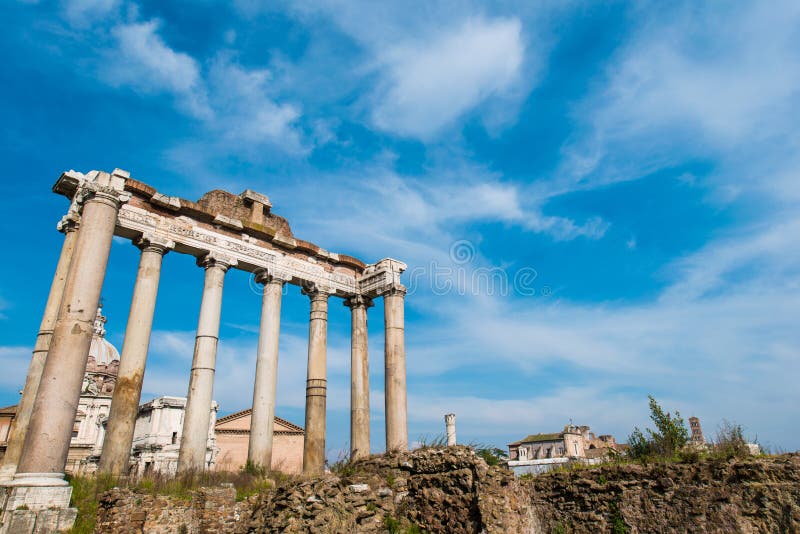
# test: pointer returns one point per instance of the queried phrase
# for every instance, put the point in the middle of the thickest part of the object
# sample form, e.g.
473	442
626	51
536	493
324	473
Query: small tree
669	436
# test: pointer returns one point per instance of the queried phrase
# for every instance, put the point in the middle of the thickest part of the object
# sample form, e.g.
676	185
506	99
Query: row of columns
39	439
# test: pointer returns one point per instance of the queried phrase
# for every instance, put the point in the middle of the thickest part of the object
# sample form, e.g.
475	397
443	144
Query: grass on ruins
86	490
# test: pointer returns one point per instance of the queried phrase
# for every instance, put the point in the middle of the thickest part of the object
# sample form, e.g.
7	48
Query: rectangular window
174	438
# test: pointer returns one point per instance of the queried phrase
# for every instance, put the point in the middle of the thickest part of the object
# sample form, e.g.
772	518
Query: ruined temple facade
222	231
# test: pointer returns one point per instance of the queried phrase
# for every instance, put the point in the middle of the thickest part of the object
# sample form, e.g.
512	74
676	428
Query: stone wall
209	510
745	495
439	490
453	490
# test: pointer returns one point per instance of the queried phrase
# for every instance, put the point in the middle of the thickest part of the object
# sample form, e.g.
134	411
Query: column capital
151	243
270	276
213	259
315	292
358	301
393	290
99	191
69	223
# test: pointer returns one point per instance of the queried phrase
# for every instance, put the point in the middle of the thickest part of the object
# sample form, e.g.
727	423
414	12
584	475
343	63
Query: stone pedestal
38	504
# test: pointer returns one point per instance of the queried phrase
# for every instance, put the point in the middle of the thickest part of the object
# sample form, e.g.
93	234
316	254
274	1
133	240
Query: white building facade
157	437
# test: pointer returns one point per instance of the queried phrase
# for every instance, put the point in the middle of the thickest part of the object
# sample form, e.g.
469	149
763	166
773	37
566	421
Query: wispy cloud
431	82
83	13
143	61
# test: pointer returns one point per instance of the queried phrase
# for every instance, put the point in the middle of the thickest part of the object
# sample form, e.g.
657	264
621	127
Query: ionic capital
69	223
104	191
315	292
393	290
270	276
151	243
213	259
358	301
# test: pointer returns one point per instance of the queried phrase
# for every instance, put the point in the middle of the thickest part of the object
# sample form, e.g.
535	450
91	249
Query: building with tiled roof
537	453
233	434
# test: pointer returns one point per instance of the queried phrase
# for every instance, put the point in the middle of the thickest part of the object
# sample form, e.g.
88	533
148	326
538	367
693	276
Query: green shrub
668	438
730	441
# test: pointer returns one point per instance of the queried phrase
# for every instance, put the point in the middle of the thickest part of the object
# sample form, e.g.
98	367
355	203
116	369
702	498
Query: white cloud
728	78
83	13
763	258
431	83
143	61
233	102
695	83
245	115
720	342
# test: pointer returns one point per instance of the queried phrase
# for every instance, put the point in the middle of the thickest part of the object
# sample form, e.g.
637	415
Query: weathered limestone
359	378
46	445
16	437
450	428
316	383
259	450
125	401
395	362
192	453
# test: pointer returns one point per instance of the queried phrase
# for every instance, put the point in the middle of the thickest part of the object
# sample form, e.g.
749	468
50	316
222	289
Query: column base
36	502
7	473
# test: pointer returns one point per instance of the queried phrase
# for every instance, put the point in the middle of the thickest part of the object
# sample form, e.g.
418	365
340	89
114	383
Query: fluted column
44	454
316	383
395	361
359	377
192	453
125	400
259	450
19	427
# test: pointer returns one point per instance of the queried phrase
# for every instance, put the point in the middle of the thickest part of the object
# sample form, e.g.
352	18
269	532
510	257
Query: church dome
101	349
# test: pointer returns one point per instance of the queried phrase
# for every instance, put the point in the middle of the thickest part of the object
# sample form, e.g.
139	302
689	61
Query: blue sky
631	169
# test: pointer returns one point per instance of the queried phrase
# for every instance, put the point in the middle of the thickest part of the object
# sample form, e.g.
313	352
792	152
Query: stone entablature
254	240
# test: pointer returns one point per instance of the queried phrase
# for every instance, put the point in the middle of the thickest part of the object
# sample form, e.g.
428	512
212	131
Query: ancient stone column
125	400
194	440
359	377
44	454
395	361
316	383
19	427
450	428
259	450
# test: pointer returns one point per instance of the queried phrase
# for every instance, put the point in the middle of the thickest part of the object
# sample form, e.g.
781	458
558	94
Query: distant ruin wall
453	490
745	495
